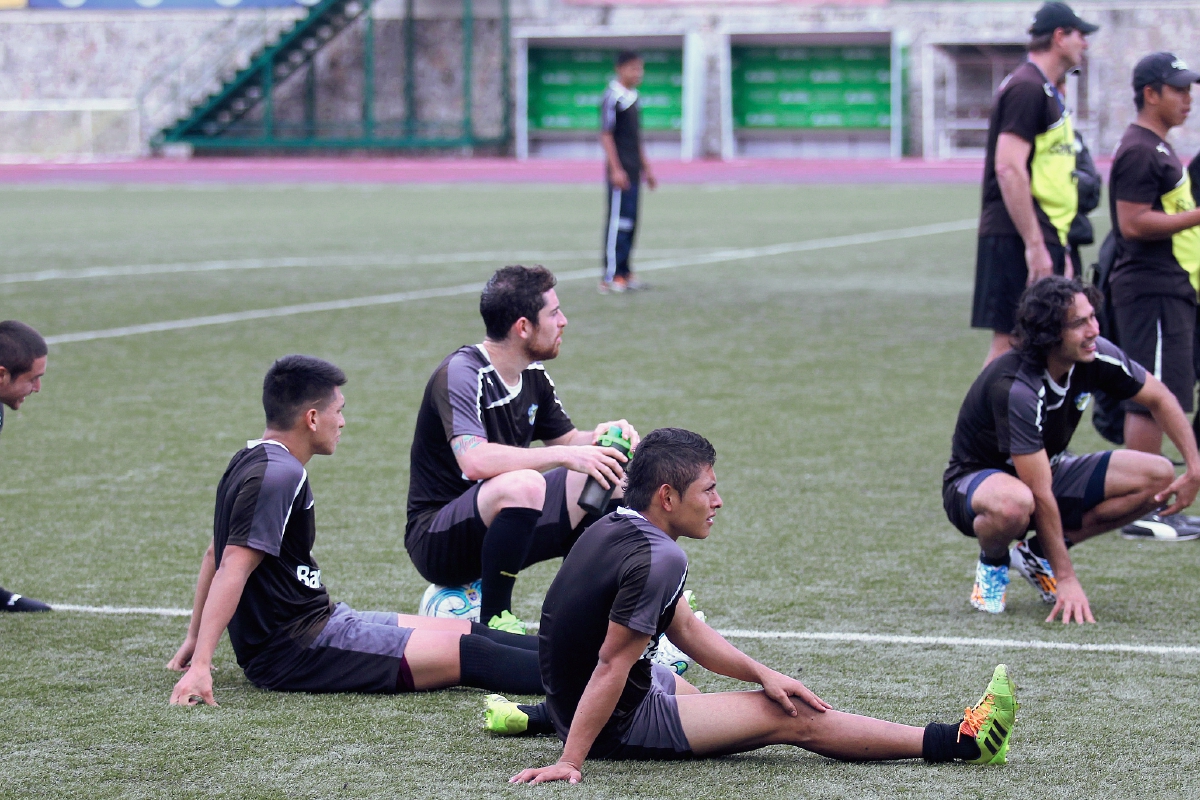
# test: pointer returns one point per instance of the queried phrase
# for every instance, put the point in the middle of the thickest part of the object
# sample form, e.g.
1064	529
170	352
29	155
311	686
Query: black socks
523	641
942	743
506	545
1001	561
484	664
539	719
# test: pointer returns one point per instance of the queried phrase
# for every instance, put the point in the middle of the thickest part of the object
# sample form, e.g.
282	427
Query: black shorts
357	651
1159	332
446	544
1077	484
1000	275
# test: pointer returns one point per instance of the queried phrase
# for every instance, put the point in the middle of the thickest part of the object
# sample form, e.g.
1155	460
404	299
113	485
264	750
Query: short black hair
513	292
625	56
1139	95
1042	314
20	346
671	456
295	384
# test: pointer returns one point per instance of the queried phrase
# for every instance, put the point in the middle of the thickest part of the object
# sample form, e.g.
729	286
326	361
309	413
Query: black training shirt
1028	106
1145	169
619	115
264	502
625	570
466	396
1016	408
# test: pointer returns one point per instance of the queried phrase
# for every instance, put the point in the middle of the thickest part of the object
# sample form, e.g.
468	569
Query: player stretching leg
1010	471
483	504
259	578
622	584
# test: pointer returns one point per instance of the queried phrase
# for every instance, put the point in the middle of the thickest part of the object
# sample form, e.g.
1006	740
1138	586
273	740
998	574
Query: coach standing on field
22	365
625	166
1029	192
1155	274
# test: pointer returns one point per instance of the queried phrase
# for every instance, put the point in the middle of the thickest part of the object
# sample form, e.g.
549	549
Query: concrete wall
51	59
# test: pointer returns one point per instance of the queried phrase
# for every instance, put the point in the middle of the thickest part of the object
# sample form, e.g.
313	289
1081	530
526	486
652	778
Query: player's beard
534	352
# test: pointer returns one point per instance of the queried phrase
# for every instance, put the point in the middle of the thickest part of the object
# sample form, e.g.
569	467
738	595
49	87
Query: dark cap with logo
1053	16
1163	68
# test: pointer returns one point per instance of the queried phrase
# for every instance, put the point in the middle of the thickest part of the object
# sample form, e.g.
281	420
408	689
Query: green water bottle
594	497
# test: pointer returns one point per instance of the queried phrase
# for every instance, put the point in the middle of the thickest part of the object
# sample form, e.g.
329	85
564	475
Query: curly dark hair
513	292
1042	314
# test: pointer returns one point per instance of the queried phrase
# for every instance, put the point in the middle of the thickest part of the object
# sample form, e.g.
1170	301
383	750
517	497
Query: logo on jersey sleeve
533	413
1082	401
309	577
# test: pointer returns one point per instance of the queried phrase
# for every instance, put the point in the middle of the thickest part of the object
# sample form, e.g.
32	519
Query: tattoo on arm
461	444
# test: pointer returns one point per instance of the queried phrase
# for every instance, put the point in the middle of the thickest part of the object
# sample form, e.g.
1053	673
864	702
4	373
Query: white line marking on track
716	257
738	633
957	641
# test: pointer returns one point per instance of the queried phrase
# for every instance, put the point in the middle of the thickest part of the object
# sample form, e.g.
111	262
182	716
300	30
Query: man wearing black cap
1029	193
1157	267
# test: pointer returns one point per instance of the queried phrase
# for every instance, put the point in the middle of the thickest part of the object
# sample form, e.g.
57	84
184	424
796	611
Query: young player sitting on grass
1010	471
259	578
622	585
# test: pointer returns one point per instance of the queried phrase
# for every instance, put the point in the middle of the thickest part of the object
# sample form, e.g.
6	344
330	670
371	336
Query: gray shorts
357	651
654	732
1078	486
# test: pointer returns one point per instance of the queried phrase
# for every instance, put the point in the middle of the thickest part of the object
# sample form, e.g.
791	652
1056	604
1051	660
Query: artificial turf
828	381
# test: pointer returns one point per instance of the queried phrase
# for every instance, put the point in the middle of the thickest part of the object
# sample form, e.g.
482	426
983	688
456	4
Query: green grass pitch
828	381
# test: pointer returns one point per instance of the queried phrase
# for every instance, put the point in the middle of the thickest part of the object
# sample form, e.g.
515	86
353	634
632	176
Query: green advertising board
566	84
788	87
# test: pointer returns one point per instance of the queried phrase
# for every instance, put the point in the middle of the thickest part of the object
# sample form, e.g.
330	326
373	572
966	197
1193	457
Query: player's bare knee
1159	474
522	488
801	730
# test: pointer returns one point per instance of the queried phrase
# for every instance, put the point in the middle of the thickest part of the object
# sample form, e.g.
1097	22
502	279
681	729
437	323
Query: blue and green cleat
503	716
990	722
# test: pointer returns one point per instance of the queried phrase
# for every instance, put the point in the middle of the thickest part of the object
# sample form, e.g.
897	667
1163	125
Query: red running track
482	170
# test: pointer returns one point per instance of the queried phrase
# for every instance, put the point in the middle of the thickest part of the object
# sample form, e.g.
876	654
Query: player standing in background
258	577
1010	471
1157	267
22	365
483	504
1029	192
622	587
625	166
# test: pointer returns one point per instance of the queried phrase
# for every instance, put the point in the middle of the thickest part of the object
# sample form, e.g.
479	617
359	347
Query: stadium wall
81	83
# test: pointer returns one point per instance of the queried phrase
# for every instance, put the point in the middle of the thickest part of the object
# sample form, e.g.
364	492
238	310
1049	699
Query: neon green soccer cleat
505	621
991	721
501	715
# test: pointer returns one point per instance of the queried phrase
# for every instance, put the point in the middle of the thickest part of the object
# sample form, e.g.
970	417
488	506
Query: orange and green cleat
991	721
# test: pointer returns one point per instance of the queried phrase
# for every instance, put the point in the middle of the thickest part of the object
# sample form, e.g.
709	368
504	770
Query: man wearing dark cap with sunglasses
1157	268
1029	192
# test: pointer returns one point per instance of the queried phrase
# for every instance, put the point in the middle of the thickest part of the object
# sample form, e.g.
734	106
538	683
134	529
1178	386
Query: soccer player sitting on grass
259	578
622	585
483	504
22	365
1010	471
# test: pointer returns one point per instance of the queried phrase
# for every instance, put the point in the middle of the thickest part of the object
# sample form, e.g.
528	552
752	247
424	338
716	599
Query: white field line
716	257
861	638
245	264
958	641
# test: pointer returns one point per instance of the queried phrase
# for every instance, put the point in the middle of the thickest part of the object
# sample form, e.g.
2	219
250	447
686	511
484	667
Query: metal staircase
243	114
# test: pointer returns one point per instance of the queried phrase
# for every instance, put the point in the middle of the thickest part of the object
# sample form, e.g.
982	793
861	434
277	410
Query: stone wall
115	62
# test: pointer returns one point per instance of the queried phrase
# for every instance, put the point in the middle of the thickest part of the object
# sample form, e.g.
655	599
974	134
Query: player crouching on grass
259	578
622	585
1010	471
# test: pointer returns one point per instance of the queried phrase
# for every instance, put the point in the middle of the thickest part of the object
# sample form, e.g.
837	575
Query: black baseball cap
1053	16
1163	68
